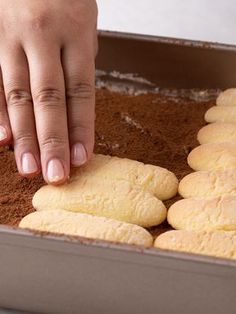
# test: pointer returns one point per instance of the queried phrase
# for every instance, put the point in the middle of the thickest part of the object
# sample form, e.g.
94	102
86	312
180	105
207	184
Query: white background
210	20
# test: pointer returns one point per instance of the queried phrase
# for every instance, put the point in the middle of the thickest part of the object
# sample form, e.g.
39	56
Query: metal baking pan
58	274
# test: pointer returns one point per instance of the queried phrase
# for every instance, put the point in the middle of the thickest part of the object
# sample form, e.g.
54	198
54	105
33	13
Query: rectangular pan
58	274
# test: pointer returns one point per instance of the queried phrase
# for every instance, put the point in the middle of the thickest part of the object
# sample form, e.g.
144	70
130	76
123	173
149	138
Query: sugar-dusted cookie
117	199
217	132
208	183
215	213
157	180
213	156
88	226
227	97
221	114
220	244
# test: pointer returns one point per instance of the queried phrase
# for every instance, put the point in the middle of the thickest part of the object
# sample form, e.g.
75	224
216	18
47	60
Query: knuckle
38	22
18	97
53	141
81	90
82	124
82	132
78	129
22	138
48	95
83	13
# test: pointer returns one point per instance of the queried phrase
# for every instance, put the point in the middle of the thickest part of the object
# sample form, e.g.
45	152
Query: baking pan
58	274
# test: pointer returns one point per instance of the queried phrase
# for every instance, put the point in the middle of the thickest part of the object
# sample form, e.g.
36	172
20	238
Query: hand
47	52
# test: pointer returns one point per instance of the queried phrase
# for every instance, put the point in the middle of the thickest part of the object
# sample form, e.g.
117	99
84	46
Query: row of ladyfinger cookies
206	218
109	199
121	208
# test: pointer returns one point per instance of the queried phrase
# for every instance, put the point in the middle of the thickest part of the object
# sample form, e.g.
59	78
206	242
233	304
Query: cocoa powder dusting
15	192
150	128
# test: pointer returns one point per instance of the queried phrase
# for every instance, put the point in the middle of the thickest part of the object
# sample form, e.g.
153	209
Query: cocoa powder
151	128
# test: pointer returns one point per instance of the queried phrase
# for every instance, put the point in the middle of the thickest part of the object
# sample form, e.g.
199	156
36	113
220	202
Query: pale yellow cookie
213	156
210	214
88	226
227	98
217	132
112	199
161	182
219	244
221	114
208	183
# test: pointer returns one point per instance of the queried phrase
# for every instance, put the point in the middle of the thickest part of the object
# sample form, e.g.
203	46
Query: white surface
210	20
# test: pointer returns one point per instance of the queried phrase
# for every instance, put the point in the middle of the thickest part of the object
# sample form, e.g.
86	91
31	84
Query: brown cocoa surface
151	128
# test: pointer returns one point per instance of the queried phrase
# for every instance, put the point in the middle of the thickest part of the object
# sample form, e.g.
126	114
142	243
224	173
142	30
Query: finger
79	72
48	92
5	128
20	110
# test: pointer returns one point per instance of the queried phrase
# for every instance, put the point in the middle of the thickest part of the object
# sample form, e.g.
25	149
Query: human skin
47	94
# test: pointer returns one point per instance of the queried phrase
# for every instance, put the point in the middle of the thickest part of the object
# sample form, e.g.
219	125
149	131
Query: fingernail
55	171
79	155
3	133
29	164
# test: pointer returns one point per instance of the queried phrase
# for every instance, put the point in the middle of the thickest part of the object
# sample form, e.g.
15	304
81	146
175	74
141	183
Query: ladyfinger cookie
227	98
208	183
213	156
88	226
221	114
217	132
219	244
159	181
211	214
109	198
